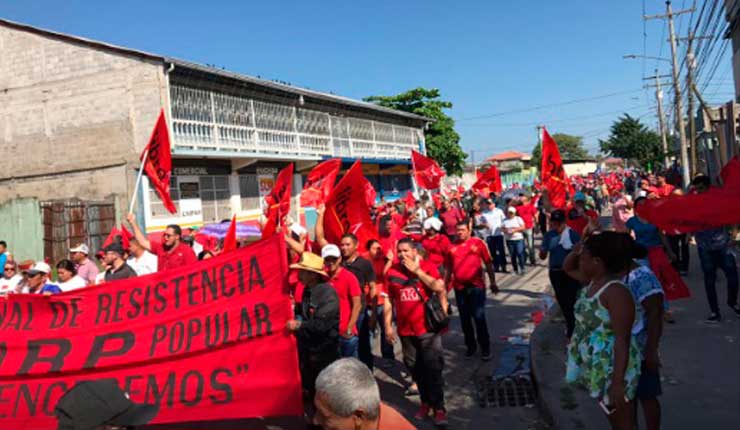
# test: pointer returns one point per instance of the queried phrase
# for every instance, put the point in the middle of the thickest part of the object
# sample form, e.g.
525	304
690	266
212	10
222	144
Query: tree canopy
631	139
442	141
571	148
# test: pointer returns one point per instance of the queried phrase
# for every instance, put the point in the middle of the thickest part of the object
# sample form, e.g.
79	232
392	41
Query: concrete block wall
73	118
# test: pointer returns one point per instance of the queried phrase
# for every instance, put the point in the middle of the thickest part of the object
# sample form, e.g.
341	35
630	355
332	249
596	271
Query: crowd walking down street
431	298
186	247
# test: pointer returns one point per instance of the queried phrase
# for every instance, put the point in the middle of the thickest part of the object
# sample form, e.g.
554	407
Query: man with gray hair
347	397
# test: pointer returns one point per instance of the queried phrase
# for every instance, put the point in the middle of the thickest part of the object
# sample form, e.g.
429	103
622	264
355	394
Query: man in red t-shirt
467	256
410	283
172	252
526	211
348	290
663	189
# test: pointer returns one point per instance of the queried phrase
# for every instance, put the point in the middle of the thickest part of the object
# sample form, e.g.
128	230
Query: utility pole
691	64
677	88
661	123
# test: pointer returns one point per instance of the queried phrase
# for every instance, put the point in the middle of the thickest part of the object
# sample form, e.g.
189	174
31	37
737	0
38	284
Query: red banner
552	173
320	182
489	181
427	172
158	165
207	342
347	210
695	212
277	203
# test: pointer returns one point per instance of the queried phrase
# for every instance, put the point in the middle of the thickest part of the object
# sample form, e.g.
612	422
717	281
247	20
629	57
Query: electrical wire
540	107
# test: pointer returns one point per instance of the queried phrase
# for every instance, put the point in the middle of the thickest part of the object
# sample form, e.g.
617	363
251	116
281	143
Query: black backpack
435	318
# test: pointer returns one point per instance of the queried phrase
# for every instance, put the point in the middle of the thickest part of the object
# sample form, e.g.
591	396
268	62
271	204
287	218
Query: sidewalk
508	315
700	374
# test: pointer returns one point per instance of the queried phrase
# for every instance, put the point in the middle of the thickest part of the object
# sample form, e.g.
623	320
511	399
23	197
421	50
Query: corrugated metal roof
207	69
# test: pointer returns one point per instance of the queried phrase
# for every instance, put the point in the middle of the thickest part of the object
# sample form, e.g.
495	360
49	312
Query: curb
534	342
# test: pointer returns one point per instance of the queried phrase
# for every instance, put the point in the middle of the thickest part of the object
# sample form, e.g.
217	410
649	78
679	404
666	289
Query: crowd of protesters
612	285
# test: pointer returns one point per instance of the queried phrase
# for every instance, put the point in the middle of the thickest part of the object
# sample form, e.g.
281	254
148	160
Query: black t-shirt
123	272
363	270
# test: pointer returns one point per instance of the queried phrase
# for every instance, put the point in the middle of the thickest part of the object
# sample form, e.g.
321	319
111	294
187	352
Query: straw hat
311	263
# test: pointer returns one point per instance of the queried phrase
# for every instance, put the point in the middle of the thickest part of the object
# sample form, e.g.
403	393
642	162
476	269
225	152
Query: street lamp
633	56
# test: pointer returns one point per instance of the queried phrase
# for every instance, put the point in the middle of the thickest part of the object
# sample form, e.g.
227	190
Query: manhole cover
506	391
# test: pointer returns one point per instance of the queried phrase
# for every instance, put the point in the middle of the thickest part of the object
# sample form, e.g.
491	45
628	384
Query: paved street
508	315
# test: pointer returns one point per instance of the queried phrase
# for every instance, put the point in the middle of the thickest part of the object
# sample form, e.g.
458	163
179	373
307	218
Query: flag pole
138	181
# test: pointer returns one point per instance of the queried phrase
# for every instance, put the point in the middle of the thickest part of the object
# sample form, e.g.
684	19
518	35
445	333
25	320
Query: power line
540	107
575	118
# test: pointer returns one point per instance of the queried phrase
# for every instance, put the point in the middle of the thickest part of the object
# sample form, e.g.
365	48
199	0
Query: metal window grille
216	121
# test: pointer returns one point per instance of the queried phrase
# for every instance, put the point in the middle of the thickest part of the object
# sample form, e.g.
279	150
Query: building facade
75	114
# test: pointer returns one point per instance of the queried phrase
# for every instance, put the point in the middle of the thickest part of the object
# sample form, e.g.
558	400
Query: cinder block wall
73	118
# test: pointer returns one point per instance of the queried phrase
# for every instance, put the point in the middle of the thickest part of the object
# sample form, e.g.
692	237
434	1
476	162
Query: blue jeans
386	349
364	350
348	346
529	242
516	251
723	259
498	254
471	303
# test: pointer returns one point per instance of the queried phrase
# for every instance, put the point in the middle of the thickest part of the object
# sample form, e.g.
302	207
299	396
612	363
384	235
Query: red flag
427	172
489	181
695	212
230	238
370	193
158	164
437	199
320	182
122	235
277	203
552	173
347	210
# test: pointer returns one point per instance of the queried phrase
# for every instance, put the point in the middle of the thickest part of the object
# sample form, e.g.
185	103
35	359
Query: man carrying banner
467	256
318	330
37	277
172	252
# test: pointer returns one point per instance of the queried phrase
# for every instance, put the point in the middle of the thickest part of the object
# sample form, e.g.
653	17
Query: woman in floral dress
603	356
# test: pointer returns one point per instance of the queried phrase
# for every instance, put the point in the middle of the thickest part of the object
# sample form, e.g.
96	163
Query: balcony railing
204	120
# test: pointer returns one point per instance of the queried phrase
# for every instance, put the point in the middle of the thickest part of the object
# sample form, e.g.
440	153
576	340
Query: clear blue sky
487	57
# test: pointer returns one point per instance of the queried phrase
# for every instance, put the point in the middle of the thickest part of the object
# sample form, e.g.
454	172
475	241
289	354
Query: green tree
630	139
571	148
442	141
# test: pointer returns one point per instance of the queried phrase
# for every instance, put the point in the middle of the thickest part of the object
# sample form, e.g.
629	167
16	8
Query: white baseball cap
39	267
81	248
511	209
297	229
330	250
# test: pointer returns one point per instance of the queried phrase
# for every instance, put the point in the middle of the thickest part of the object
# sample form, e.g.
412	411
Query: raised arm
320	238
138	234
